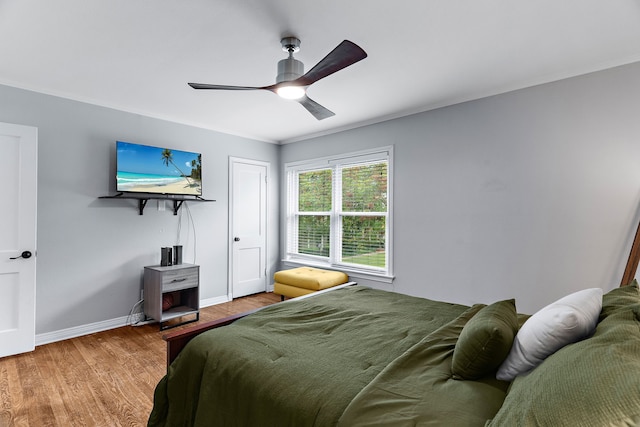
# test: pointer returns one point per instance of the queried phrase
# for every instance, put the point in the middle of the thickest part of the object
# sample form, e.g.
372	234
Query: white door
18	175
247	228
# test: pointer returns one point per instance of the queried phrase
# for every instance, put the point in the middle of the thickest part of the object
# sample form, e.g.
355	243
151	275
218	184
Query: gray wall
91	252
531	194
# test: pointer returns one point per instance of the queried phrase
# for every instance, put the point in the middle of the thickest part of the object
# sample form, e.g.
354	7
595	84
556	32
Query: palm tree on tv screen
167	158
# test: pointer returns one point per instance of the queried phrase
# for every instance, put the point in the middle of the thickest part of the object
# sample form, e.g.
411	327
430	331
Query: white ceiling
138	55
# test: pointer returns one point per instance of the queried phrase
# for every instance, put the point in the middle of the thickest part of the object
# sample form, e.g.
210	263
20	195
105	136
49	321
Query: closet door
18	189
248	223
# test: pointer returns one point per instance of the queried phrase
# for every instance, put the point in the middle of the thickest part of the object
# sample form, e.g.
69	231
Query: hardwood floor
102	379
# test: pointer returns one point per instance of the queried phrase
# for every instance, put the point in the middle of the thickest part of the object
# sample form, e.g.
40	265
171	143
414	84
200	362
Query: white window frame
292	257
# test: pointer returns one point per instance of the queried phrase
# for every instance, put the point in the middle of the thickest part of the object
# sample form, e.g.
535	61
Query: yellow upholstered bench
305	280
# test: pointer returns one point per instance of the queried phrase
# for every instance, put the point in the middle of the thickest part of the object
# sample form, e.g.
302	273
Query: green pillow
485	341
619	298
593	382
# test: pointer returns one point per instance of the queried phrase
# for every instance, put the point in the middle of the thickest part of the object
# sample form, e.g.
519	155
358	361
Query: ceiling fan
291	83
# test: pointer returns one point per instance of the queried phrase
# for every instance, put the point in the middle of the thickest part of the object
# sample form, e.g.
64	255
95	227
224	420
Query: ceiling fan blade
345	54
222	87
317	110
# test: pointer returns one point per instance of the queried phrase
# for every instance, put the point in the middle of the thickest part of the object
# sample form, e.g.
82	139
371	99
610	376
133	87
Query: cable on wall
193	229
136	309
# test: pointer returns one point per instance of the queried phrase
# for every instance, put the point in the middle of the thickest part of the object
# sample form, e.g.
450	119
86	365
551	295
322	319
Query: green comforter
343	354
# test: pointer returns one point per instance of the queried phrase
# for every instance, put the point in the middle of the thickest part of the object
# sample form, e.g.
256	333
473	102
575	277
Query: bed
357	356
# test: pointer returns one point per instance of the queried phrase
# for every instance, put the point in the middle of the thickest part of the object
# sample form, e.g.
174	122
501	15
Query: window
338	212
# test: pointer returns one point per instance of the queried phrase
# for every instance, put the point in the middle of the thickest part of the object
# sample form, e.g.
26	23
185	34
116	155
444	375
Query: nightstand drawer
179	279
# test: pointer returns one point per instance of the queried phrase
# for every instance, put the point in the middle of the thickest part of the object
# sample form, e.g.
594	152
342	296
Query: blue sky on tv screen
145	159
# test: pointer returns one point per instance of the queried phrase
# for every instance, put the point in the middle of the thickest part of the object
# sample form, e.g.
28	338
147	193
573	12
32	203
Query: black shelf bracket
176	206
141	204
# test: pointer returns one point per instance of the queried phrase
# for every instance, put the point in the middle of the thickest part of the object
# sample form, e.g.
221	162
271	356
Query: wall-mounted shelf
144	198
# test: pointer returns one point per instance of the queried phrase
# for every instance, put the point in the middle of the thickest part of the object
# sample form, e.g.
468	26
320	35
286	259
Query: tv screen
147	169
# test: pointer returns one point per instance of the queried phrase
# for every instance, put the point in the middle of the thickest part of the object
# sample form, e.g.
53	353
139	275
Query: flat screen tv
147	169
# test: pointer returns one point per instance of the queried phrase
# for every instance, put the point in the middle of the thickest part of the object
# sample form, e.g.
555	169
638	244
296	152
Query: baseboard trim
92	328
78	331
214	301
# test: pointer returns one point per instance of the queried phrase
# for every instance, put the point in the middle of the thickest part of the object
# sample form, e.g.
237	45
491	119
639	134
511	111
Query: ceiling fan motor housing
289	69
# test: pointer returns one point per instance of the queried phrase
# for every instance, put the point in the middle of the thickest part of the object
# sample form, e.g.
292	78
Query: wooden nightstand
171	292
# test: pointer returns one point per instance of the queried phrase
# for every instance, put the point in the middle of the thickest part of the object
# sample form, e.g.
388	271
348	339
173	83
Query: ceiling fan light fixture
291	92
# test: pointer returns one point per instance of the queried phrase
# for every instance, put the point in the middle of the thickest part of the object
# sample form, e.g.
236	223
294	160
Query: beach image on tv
147	169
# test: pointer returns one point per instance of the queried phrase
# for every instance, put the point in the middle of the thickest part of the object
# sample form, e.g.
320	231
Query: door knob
236	239
25	255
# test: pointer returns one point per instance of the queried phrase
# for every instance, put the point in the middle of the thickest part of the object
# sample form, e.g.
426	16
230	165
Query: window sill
352	272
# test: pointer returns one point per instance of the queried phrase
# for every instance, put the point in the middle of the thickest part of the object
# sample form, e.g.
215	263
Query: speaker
165	256
177	254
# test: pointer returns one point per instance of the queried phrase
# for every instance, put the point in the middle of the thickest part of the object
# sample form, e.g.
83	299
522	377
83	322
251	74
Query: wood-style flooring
102	379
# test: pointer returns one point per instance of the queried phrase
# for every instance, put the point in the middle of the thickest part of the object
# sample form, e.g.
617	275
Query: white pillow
565	321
